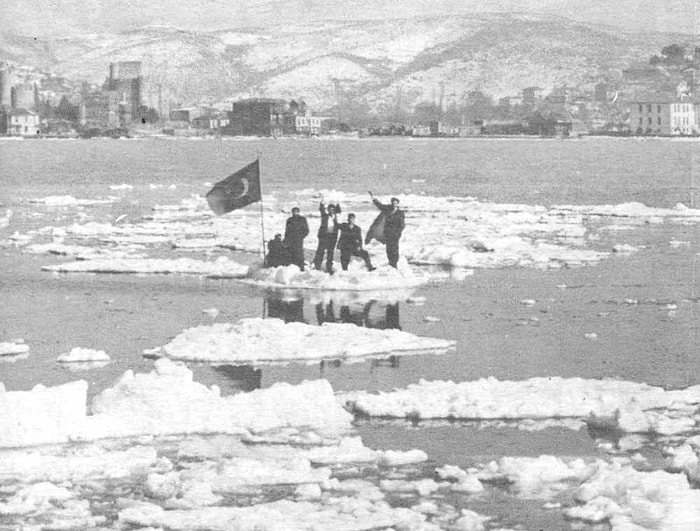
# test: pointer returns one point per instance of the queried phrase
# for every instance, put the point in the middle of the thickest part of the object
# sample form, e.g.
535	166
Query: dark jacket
296	230
326	219
394	222
350	237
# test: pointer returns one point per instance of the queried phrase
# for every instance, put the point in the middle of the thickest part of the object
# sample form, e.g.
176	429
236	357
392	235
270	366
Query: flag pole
262	216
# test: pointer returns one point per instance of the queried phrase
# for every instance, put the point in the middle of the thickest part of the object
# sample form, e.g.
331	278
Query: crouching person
350	243
278	254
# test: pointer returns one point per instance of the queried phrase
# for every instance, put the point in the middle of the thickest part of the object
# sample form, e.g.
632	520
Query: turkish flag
238	190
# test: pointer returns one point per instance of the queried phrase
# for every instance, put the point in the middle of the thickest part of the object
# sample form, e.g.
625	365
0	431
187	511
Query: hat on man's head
395	199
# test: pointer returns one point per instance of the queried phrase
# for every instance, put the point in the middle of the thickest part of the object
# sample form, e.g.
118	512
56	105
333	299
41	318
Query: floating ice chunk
629	406
470	521
68	200
168	401
394	458
76	464
539	477
5	220
418	301
165	401
528	302
684	459
624	248
630	499
10	348
591	335
79	354
222	267
422	487
36	497
678	243
335	513
211	312
273	340
355	279
431	319
43	415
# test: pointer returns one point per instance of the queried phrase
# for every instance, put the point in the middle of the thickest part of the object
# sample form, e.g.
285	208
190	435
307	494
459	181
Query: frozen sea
632	316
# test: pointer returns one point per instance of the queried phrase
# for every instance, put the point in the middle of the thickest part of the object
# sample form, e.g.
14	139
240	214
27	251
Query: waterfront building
257	117
19	122
663	114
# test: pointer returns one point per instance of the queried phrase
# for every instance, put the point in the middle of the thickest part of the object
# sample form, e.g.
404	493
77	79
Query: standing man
350	244
327	236
393	227
294	233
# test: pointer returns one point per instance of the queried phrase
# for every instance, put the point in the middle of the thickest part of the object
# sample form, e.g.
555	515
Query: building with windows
257	117
19	122
663	114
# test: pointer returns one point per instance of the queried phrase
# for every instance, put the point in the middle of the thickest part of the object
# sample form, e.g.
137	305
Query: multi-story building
662	114
257	117
19	122
125	79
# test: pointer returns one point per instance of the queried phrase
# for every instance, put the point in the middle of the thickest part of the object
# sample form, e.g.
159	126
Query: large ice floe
625	406
258	340
222	267
457	232
354	279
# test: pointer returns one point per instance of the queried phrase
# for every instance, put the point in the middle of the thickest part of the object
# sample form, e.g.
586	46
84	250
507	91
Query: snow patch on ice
222	267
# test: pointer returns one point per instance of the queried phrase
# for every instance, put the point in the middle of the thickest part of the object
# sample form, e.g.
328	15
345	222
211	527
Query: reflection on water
230	379
372	313
368	313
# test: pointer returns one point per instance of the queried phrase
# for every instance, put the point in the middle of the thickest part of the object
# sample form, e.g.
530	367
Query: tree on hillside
65	110
673	53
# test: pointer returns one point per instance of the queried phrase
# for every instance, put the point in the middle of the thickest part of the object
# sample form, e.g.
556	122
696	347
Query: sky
61	18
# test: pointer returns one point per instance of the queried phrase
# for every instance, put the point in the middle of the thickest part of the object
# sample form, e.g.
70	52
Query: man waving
394	224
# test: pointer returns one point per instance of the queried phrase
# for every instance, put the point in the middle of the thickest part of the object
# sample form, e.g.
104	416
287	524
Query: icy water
632	317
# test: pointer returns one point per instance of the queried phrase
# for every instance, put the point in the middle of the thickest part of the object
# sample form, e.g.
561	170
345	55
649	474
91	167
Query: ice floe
626	406
12	348
222	267
272	340
354	279
83	354
68	200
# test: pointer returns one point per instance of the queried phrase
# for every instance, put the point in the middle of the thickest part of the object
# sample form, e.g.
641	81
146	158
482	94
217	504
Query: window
649	108
640	108
640	120
658	108
649	120
659	120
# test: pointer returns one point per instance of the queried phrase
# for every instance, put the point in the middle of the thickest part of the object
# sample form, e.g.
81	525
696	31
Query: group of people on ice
346	236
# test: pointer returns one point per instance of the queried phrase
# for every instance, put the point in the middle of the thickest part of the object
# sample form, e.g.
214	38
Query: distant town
660	98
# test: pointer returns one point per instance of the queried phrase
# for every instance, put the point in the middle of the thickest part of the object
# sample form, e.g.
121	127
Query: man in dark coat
278	252
393	227
295	231
327	236
350	243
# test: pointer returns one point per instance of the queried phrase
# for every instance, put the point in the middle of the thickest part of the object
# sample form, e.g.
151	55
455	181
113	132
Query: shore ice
273	340
627	406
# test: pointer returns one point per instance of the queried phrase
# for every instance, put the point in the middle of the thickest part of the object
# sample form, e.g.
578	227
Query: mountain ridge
363	63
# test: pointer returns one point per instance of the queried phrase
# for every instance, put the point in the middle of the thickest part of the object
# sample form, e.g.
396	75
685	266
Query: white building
19	122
